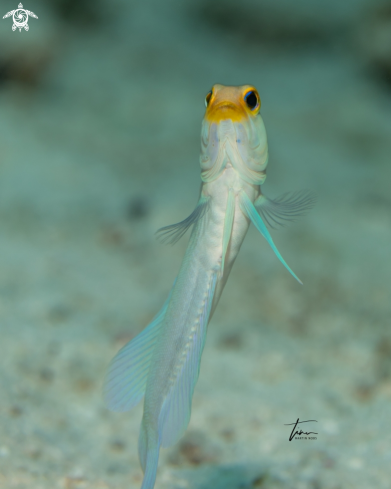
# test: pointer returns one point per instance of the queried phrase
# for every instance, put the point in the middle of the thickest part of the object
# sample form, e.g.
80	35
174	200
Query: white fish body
163	361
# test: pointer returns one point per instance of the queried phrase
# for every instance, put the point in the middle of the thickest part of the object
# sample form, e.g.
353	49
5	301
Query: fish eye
207	98
251	99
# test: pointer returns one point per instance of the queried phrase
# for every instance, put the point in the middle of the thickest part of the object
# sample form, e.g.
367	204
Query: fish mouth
225	110
226	105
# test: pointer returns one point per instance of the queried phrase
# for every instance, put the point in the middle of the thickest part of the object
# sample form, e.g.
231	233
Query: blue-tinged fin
127	374
148	452
175	413
174	232
288	207
228	222
250	210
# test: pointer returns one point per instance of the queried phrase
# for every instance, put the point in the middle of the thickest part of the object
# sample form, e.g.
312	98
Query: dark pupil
208	96
251	100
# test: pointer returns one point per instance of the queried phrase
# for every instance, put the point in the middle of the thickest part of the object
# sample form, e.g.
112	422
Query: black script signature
299	432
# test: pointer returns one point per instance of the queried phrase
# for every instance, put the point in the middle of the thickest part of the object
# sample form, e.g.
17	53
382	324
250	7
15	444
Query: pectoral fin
174	232
287	207
251	212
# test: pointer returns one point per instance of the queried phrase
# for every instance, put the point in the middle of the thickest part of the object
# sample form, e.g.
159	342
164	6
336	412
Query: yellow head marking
234	103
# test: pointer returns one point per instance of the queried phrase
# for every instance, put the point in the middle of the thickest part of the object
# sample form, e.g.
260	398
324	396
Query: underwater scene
113	114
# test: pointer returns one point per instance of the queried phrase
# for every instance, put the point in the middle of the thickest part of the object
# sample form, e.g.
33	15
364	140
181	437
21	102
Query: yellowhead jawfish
162	363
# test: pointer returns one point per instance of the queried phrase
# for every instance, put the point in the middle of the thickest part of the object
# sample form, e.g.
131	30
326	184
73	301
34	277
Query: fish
162	363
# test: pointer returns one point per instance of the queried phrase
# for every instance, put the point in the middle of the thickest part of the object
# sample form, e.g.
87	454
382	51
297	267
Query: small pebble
117	445
194	449
138	208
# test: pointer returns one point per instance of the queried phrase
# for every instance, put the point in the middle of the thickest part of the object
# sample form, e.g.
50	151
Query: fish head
233	132
232	103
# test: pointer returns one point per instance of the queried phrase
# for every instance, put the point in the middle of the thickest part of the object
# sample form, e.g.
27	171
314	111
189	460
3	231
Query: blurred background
100	112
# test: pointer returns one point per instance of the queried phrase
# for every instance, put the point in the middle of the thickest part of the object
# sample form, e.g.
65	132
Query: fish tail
148	450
